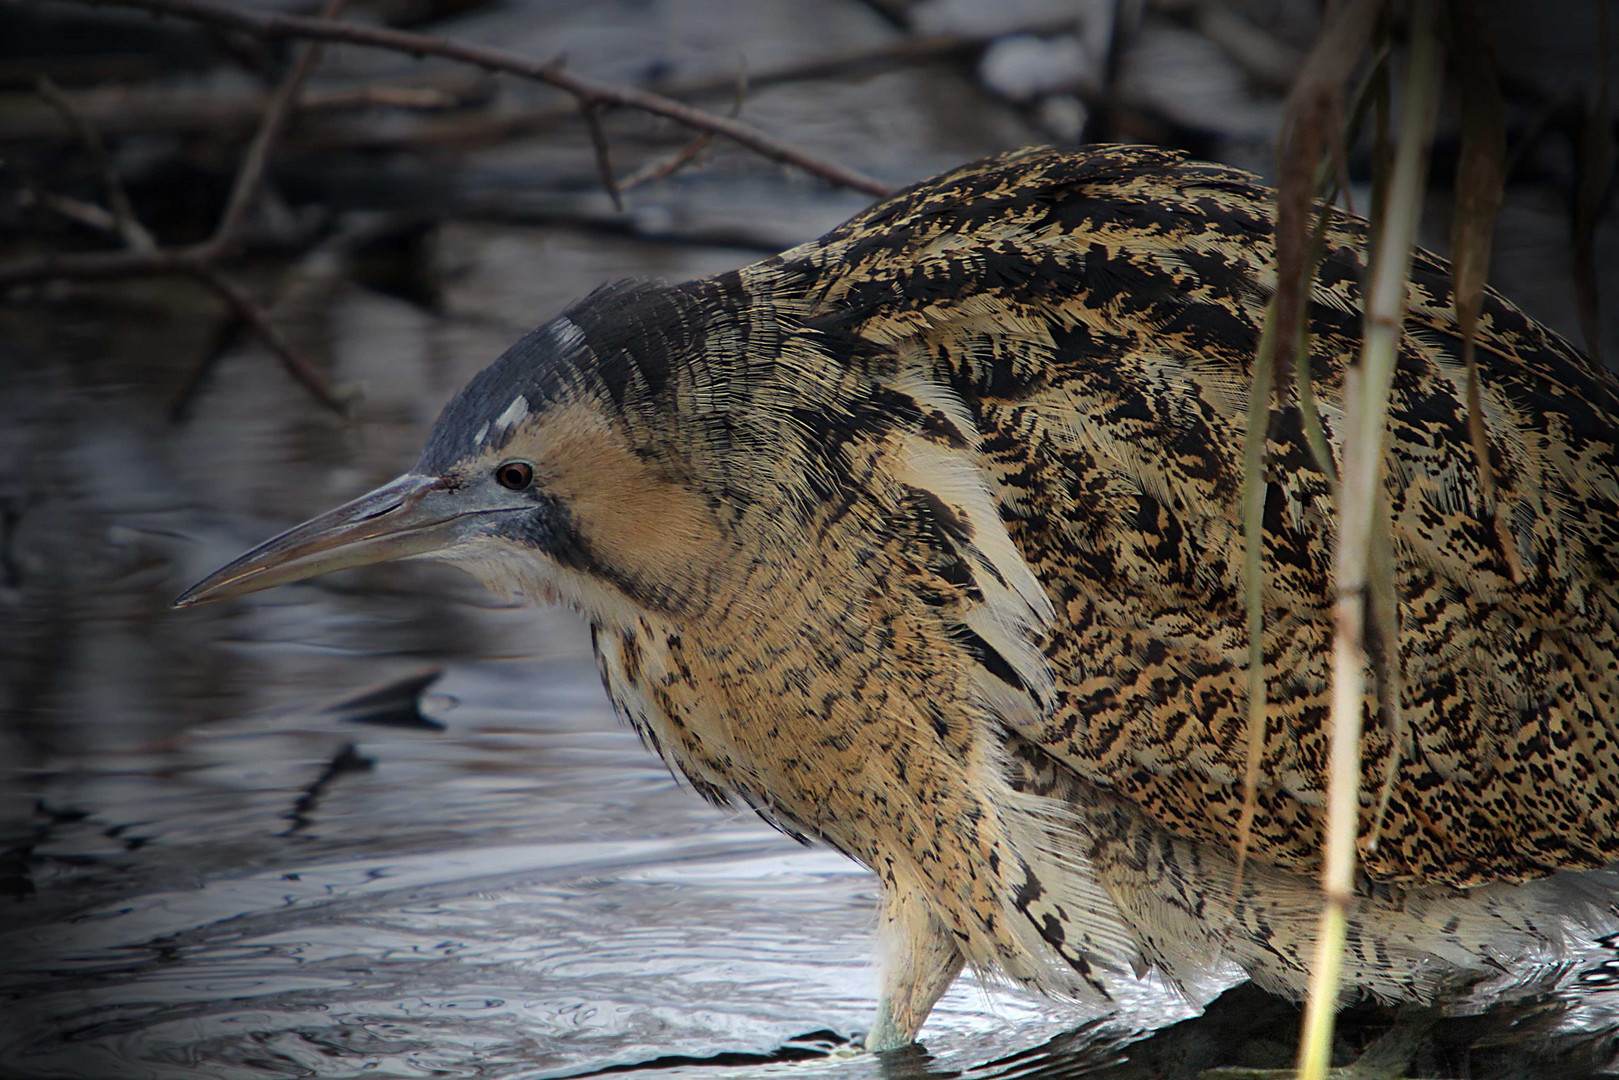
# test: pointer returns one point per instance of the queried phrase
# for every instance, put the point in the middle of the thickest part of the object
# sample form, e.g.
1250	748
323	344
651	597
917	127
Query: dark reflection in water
380	825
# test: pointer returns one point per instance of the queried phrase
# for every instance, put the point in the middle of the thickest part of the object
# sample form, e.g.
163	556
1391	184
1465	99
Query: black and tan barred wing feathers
1096	313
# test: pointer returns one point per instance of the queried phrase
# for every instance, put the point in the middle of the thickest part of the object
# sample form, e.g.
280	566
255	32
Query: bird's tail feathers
1076	939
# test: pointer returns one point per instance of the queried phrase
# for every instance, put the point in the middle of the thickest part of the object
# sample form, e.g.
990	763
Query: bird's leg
919	962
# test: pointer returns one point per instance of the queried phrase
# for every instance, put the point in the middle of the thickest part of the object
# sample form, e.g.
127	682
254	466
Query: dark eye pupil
514	475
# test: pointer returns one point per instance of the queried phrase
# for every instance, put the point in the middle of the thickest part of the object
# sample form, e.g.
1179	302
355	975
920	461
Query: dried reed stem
1367	386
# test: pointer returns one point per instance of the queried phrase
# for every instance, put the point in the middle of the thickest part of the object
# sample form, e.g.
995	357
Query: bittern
924	540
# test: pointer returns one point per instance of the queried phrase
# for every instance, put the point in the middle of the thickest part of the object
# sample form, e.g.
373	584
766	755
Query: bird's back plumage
1098	314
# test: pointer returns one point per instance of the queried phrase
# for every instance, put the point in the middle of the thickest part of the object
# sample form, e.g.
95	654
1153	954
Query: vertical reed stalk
1254	490
1367	386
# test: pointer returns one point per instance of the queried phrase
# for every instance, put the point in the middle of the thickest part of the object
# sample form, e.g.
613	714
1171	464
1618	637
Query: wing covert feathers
1079	327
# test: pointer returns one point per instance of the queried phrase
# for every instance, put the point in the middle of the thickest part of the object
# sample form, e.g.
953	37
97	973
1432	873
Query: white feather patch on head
566	335
482	433
514	413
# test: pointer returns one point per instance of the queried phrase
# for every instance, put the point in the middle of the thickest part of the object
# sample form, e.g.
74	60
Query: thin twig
896	12
197	263
603	154
1315	434
144	111
1254	492
317	272
1313	115
84	213
1529	136
381	96
909	49
102	265
662	170
251	173
1265	58
136	110
1103	99
1480	187
141	110
270	25
1367	387
1312	119
259	319
123	215
224	332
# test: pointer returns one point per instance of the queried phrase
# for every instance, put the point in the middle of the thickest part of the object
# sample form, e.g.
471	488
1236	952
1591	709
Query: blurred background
381	824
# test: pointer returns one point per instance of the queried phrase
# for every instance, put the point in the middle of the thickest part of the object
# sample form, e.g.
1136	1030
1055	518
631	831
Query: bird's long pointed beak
398	520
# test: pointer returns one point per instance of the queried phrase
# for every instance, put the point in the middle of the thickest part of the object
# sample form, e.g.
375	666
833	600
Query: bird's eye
515	475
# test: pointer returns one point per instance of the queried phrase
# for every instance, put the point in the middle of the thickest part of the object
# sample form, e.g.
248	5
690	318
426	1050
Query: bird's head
553	474
696	451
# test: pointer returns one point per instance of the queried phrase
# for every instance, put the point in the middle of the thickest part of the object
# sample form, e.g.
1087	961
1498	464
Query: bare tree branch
201	260
123	215
196	261
140	110
270	25
251	173
662	170
143	255
87	214
598	145
124	110
101	265
259	319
